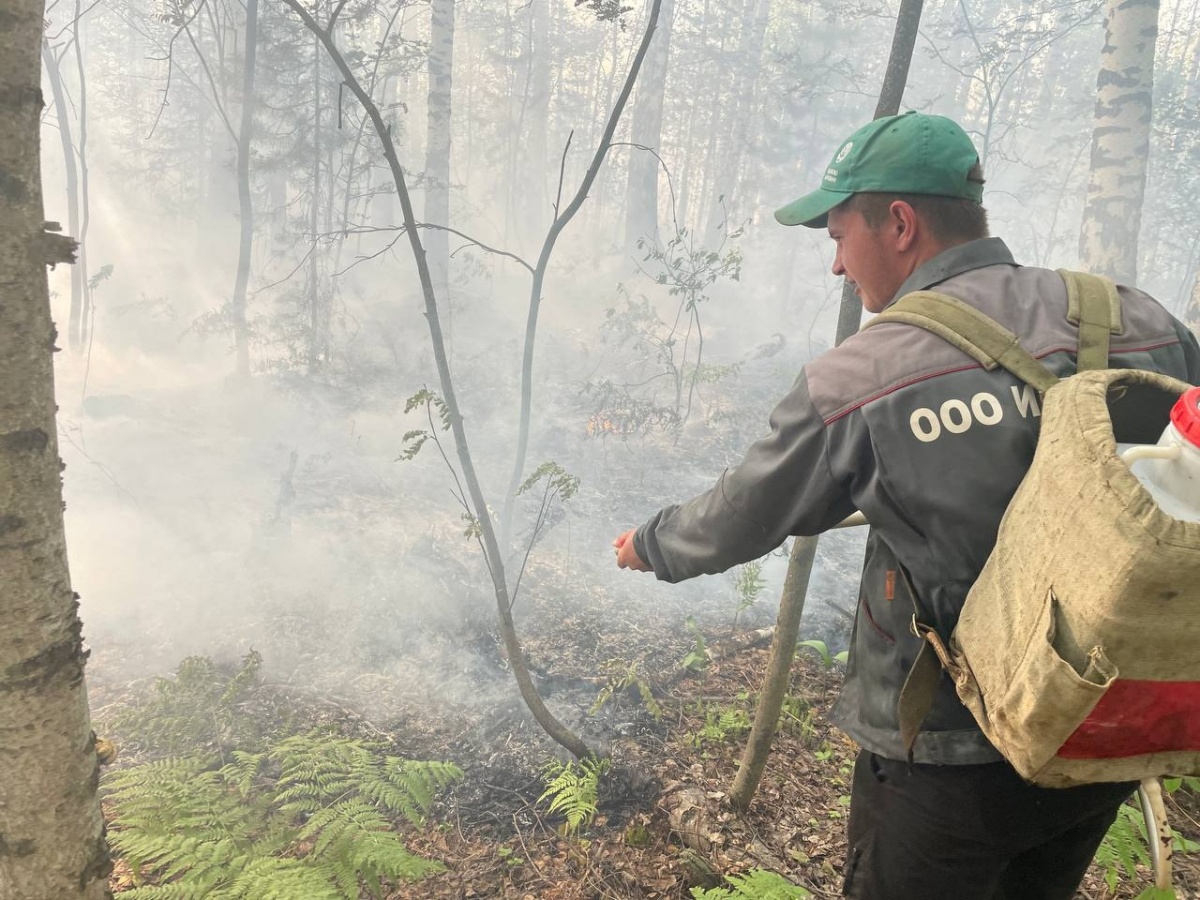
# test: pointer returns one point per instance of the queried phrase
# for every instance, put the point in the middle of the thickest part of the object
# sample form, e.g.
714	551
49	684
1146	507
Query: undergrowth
757	884
233	806
574	791
306	818
1126	846
203	708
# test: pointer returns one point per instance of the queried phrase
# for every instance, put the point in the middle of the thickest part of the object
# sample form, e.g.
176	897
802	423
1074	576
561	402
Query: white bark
51	834
1112	215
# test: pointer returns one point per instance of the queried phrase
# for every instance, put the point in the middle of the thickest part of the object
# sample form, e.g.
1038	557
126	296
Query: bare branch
663	165
454	231
560	222
337	11
562	171
170	60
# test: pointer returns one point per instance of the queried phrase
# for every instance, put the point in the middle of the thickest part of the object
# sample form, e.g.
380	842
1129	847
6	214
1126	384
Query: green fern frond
307	818
574	792
274	878
757	884
1124	847
162	892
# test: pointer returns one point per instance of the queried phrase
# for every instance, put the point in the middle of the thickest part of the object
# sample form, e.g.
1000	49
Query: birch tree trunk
1112	215
51	834
641	205
62	115
437	147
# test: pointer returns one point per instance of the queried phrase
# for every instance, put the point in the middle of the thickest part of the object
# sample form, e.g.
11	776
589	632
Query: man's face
865	257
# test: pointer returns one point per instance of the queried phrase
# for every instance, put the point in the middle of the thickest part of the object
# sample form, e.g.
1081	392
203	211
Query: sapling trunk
495	559
791	603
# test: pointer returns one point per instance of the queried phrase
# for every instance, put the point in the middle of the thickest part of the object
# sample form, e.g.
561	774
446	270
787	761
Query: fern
624	676
199	708
574	792
306	819
1124	847
697	659
757	884
722	724
748	585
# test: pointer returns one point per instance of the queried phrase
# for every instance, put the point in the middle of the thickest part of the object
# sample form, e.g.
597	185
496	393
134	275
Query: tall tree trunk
318	321
729	160
904	39
437	147
1112	215
562	218
710	187
641	205
63	115
533	201
241	336
51	833
791	603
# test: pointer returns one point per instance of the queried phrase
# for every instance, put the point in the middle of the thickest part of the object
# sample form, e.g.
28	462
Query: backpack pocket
1034	707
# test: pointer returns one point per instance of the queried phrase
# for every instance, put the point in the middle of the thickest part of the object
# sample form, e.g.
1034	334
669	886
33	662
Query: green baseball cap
913	153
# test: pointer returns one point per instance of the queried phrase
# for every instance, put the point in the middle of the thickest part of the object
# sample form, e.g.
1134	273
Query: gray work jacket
904	426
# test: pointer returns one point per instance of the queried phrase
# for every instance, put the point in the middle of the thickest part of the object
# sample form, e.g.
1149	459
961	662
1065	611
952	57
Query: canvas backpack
1078	647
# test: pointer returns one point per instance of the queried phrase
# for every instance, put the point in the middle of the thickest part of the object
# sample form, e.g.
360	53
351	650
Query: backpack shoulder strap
1095	306
979	336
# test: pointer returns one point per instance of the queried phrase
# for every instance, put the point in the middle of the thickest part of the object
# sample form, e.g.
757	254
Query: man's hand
627	556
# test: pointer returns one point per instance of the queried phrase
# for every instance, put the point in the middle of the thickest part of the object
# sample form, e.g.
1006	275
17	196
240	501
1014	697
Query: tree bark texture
437	148
62	115
1112	215
804	549
779	668
51	833
641	205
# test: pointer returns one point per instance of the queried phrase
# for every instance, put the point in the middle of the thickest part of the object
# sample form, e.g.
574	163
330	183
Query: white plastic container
1170	470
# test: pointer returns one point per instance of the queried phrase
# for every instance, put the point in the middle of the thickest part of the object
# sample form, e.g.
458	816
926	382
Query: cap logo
844	152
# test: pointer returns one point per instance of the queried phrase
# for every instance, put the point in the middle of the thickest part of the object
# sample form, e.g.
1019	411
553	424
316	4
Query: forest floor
670	777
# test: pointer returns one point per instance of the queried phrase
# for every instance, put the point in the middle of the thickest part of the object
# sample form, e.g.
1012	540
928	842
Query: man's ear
903	223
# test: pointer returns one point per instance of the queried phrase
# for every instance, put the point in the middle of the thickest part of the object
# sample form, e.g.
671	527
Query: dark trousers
980	832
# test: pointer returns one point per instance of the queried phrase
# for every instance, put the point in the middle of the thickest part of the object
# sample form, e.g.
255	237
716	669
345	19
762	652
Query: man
902	425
